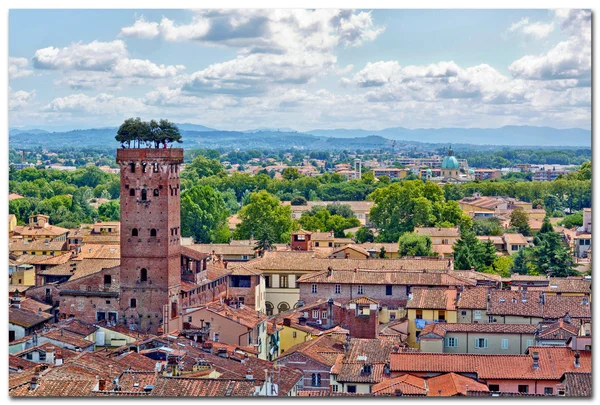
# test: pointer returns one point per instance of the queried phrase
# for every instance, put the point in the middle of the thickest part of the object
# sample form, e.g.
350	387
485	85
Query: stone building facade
150	237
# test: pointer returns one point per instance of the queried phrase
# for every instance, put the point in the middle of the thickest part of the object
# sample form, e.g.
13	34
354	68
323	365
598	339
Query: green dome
471	171
450	161
429	172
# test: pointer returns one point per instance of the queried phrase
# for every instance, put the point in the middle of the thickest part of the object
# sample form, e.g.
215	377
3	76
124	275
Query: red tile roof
27	319
559	330
433	298
384	276
405	385
577	384
553	363
452	384
503	328
364	352
323	349
473	298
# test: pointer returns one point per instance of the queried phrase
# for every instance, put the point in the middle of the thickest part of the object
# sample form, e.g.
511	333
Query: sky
300	69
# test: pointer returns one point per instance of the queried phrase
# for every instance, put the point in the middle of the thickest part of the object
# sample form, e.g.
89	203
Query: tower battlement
170	155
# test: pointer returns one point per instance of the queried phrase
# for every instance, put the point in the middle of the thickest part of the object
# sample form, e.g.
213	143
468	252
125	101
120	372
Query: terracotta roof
80	268
439	232
507	302
564	285
476	275
558	330
16	362
496	240
319	349
70	338
202	387
224	249
553	363
308	261
37	245
514	239
361	353
432	331
100	251
483	202
432	298
136	361
27	319
243	315
442	249
473	298
14	196
389	247
383	276
577	384
43	259
48	230
356	248
501	328
398	327
77	326
557	306
30	304
527	277
405	384
451	384
192	253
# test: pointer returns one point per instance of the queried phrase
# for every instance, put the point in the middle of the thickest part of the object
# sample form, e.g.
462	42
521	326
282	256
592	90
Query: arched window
316	380
283	306
152	232
133	303
134	232
132	192
269	308
144	275
144	195
155	192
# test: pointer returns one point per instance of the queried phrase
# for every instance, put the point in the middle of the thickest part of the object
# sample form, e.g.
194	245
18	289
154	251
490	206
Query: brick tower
150	238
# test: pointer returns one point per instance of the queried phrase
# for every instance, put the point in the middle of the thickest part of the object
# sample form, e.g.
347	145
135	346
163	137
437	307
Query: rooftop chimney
33	383
102	385
536	360
329	271
577	364
249	375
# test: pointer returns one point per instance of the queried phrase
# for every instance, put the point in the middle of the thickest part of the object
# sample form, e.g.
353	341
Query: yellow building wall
26	277
428	315
287	338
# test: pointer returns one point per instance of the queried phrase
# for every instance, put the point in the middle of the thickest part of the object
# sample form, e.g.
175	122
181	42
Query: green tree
519	219
471	252
551	256
411	244
203	167
203	215
572	221
298	201
290	173
264	215
502	265
364	235
109	211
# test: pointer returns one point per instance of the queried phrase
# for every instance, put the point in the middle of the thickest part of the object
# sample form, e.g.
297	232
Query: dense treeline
510	157
65	196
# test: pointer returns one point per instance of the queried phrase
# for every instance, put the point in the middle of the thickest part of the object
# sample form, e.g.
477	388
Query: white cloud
141	29
275	46
18	67
569	59
101	104
537	30
96	55
144	68
100	65
19	99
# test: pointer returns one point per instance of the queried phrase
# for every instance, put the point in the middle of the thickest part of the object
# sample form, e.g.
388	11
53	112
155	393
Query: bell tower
150	237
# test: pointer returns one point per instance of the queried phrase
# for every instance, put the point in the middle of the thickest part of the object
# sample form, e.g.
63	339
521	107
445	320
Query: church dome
471	171
429	172
450	161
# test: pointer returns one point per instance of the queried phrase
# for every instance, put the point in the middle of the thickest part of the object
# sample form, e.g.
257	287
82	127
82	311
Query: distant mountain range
199	136
507	135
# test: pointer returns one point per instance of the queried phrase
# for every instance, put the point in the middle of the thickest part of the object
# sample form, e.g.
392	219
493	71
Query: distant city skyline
301	69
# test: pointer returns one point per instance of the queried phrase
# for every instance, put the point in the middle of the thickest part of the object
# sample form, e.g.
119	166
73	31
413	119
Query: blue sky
302	69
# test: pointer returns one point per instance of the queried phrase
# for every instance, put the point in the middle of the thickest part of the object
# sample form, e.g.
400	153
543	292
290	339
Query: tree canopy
138	132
